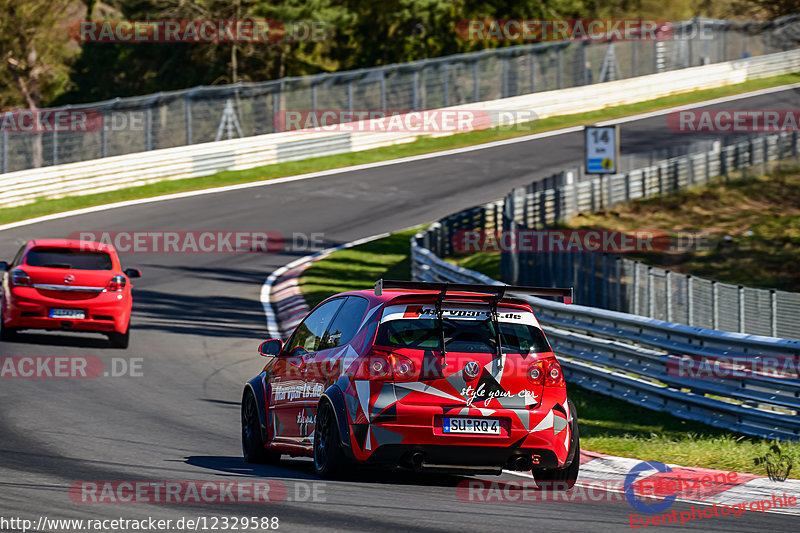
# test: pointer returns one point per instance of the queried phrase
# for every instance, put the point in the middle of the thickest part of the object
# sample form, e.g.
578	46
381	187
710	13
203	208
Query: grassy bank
607	425
425	145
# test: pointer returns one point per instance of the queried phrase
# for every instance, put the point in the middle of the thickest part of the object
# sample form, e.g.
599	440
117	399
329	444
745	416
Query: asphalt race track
197	323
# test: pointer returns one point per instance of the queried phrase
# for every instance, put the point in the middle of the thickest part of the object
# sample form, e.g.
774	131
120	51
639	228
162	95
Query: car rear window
69	258
467	336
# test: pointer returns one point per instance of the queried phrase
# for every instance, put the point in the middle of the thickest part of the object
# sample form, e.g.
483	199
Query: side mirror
4	266
271	348
133	273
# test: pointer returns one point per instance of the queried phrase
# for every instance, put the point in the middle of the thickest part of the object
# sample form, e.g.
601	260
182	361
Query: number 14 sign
601	149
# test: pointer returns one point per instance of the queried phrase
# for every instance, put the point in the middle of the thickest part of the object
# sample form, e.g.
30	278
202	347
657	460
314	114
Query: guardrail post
476	82
560	64
446	87
148	129
383	89
276	104
714	305
741	309
532	73
773	313
415	91
689	300
187	106
504	77
350	95
635	299
668	295
4	152
618	295
651	303
55	142
605	297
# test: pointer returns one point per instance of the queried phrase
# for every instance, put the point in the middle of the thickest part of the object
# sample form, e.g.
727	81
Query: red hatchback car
452	377
72	285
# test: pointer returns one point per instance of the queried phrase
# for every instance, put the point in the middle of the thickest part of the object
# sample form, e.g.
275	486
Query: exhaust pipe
521	463
415	460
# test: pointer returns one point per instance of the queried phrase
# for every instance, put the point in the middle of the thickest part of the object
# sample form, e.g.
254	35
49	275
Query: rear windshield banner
411	311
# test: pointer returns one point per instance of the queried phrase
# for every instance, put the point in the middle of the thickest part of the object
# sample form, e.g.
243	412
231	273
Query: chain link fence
607	281
205	114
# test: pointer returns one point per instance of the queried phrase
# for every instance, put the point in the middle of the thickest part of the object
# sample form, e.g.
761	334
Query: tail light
20	278
386	367
554	374
116	284
536	373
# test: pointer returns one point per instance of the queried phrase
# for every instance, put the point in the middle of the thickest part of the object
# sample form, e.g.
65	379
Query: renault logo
471	370
69	278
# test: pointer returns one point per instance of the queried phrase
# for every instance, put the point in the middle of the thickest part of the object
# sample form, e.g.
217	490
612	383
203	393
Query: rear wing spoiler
497	291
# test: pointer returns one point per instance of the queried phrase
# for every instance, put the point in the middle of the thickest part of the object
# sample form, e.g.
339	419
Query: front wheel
253	448
329	458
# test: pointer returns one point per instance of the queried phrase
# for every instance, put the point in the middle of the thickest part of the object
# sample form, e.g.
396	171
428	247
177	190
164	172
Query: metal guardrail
626	356
110	173
203	114
609	281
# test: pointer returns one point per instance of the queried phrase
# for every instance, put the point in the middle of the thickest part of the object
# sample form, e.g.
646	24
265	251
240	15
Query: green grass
760	215
358	268
607	425
424	145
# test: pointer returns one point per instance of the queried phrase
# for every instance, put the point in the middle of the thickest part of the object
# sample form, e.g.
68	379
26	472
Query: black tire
7	334
563	478
329	458
120	340
253	448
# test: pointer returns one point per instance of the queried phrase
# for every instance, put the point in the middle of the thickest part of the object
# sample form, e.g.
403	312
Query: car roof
72	243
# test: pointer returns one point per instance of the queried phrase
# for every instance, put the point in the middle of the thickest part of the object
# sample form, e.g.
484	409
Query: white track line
273	328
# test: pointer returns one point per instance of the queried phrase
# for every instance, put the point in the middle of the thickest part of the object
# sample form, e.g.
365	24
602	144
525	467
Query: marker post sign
601	149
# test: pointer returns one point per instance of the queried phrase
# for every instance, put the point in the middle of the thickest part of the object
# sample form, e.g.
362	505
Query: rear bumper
541	434
104	314
461	456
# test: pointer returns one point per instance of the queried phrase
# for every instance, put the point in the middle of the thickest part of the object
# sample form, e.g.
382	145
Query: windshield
68	258
467	336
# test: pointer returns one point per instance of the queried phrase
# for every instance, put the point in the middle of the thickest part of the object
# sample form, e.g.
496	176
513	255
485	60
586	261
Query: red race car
72	285
453	377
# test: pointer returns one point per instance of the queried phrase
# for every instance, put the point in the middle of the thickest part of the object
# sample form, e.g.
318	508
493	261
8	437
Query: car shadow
303	469
58	339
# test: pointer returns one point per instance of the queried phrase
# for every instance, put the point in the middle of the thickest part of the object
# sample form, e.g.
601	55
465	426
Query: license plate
481	426
76	314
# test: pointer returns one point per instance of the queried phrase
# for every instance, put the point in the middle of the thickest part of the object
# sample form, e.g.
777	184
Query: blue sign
630	493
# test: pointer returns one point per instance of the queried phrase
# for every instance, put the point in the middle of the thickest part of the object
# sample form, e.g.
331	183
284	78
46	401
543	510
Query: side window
345	325
18	257
309	334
